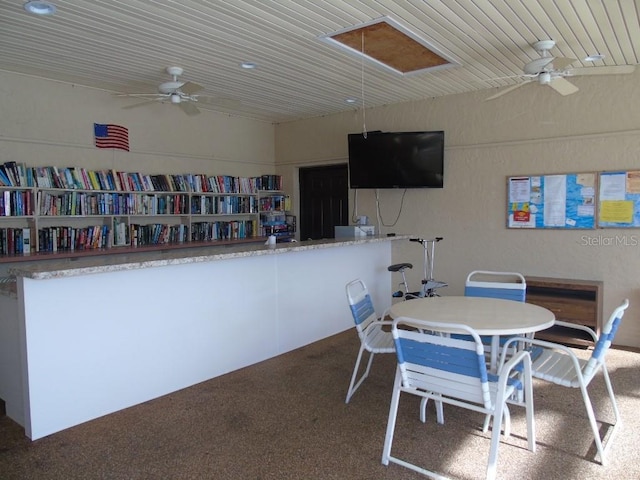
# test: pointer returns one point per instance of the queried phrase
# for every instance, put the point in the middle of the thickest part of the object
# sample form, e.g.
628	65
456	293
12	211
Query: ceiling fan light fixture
175	98
544	78
40	8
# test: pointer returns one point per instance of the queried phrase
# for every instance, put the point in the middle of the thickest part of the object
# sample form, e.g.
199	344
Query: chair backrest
360	303
505	285
430	360
604	341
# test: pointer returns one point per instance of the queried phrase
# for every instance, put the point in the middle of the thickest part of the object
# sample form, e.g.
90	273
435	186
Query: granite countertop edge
115	263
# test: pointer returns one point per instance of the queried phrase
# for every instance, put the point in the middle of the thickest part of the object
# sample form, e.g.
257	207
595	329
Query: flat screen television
396	160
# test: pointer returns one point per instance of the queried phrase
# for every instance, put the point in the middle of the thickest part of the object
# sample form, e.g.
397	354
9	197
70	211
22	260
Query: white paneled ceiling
125	46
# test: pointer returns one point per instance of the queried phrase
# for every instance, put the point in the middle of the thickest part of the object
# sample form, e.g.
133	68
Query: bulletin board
619	199
566	201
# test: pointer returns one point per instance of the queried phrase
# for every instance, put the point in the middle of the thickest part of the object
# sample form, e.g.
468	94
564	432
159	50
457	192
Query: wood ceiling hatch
391	45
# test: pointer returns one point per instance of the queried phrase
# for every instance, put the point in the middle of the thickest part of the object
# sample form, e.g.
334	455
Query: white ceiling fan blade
188	108
606	70
560	63
140	95
190	88
219	101
562	86
142	104
506	90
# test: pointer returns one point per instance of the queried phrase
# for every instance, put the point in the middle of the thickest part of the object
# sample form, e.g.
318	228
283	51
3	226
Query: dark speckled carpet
285	418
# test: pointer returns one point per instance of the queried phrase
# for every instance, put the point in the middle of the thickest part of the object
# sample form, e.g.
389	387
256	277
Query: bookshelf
62	210
275	216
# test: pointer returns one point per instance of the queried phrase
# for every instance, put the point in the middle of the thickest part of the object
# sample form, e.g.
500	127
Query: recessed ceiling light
248	65
594	58
40	8
351	100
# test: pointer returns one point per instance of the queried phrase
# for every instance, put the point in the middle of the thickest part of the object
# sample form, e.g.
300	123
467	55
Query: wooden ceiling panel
388	45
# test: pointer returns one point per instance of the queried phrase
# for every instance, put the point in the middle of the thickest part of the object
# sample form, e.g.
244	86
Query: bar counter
85	337
176	256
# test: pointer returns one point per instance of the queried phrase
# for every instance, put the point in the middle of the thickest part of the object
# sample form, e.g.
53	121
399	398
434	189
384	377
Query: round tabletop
487	316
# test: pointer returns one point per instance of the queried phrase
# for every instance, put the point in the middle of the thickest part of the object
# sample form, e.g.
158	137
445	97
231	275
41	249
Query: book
56	177
93	179
7	202
11	169
26	241
4	178
116	180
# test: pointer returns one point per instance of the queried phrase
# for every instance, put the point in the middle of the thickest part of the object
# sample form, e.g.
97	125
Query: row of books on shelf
15	203
275	202
72	203
59	239
201	205
233	230
282	230
18	241
15	241
13	174
156	234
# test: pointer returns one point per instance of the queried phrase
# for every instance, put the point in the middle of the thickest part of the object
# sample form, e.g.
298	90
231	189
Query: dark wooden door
324	200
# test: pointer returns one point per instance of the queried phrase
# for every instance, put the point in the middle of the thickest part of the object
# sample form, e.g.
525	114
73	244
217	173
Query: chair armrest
576	326
378	322
513	363
381	322
375	324
539	343
504	373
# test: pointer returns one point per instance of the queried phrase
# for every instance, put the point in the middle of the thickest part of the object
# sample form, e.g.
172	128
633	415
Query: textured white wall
532	130
51	123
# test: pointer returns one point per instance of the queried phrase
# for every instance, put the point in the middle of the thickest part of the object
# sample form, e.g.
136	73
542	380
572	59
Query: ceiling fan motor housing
542	46
175	71
169	87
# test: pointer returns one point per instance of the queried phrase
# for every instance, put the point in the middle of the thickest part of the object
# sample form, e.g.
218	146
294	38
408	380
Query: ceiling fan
551	71
175	91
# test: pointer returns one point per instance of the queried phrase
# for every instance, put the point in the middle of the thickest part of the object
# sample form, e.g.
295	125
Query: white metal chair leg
593	423
353	386
529	409
614	404
616	414
391	422
492	468
423	411
506	422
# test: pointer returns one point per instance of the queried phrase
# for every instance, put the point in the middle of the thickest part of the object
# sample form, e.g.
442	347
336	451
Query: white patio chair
432	365
558	364
373	338
493	284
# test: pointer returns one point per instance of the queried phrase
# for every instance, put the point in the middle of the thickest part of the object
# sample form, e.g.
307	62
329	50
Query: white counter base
94	344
